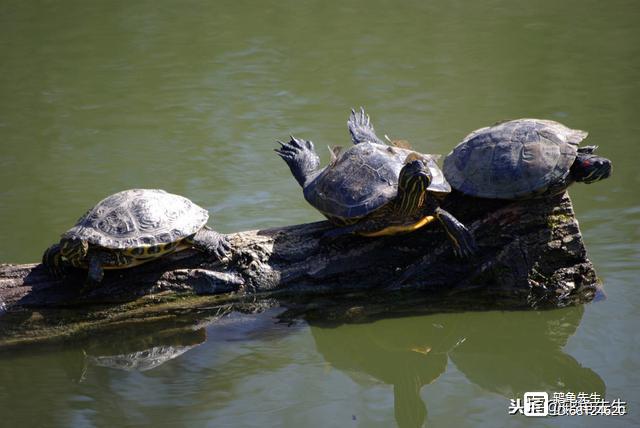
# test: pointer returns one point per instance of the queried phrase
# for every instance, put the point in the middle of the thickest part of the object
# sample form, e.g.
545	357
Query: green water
100	96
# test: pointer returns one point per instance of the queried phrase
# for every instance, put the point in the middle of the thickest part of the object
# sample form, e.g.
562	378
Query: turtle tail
301	158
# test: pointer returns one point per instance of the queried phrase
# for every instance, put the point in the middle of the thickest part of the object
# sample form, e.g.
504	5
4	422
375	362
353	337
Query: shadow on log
531	255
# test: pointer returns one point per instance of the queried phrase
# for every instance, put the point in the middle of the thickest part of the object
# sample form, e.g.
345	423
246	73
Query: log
531	255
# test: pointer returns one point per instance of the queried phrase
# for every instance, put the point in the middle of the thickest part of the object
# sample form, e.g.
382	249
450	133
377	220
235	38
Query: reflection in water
140	360
241	360
506	353
150	357
103	96
103	378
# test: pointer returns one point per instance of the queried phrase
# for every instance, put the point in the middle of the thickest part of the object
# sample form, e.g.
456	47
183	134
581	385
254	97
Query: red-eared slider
374	189
523	158
133	227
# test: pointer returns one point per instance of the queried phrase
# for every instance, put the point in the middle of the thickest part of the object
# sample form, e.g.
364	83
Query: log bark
531	254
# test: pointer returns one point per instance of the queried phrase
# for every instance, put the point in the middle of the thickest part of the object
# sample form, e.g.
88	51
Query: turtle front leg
301	157
211	242
464	246
53	261
96	262
96	271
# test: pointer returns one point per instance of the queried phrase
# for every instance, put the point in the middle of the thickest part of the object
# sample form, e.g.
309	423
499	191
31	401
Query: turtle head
589	168
74	249
413	182
414	173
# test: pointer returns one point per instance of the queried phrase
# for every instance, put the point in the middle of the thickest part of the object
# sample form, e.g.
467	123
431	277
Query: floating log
530	255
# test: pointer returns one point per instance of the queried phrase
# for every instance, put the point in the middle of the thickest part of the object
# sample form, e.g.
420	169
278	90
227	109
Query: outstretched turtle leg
361	129
464	245
52	259
301	157
210	242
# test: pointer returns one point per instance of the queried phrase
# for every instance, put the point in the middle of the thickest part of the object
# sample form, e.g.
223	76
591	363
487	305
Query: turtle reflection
142	356
504	352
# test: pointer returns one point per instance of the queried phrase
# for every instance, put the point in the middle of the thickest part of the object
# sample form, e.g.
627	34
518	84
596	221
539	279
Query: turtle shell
362	179
139	218
513	159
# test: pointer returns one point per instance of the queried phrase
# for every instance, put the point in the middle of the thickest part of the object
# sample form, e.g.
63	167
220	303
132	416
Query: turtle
372	188
523	158
132	227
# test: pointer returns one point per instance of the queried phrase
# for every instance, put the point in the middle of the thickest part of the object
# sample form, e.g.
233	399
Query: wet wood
531	254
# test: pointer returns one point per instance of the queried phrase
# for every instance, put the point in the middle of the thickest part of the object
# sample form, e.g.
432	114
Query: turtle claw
223	249
466	247
361	129
212	243
300	156
364	116
363	119
288	150
294	145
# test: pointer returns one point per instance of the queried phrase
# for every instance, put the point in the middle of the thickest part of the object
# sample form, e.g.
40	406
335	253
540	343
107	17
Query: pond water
100	96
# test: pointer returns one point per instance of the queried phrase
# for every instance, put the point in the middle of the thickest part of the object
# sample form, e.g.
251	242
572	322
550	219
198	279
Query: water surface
96	97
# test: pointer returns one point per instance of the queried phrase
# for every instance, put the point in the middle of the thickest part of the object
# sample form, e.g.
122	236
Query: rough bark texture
530	254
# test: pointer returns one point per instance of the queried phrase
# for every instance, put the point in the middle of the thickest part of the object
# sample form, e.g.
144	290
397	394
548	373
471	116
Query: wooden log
531	254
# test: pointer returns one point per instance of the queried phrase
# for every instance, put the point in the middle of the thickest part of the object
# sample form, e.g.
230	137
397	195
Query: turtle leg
301	158
96	272
52	259
464	245
211	242
361	129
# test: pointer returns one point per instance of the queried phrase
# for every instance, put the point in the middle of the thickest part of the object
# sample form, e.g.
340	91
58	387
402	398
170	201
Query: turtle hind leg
464	246
52	260
361	129
301	157
211	242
